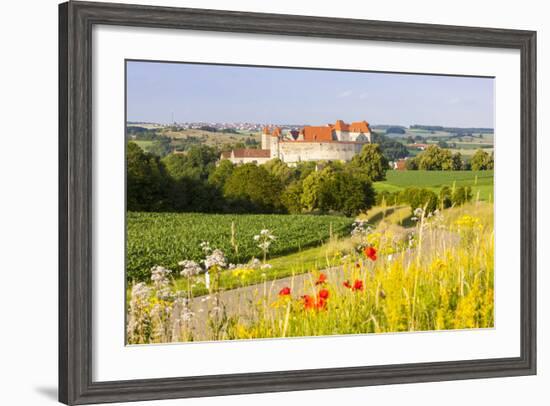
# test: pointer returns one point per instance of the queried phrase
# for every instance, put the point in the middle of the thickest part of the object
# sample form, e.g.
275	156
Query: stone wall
297	151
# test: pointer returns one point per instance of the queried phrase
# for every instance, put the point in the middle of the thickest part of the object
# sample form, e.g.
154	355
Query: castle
333	142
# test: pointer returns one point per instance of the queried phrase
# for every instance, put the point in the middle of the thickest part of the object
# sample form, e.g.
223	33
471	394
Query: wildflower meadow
435	272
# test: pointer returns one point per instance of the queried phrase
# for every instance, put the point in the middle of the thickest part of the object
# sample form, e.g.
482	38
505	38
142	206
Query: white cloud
345	93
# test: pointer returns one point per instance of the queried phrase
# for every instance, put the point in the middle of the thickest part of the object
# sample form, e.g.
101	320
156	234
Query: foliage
395	130
292	197
147	181
340	189
482	161
284	173
218	177
421	199
394	150
435	158
371	162
251	188
166	238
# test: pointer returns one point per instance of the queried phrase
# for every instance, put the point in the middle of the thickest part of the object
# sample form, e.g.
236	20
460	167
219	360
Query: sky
158	91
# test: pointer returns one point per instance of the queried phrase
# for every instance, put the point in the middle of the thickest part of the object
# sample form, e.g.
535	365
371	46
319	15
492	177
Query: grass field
167	238
144	145
479	181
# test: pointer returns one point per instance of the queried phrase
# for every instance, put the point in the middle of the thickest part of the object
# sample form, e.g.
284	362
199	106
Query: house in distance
333	142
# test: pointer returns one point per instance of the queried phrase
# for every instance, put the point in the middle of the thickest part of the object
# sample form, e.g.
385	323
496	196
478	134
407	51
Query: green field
145	145
167	238
479	181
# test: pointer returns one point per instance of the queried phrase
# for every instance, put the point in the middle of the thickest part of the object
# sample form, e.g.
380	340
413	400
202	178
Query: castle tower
274	142
266	141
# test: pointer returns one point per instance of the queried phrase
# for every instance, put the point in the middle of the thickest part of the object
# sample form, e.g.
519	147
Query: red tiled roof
320	134
359	127
341	126
276	132
266	130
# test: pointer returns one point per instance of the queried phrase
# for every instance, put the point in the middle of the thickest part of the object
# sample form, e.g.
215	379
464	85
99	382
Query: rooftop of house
312	133
321	133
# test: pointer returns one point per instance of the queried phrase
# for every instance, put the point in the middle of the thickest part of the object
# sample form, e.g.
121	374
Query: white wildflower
205	247
266	266
217	258
159	276
255	263
190	268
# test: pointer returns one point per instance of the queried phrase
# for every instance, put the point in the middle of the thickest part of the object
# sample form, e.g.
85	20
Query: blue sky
221	93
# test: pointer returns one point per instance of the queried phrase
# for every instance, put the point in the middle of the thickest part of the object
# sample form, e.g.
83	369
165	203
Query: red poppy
321	304
323	294
284	291
370	252
309	302
322	279
358	285
347	284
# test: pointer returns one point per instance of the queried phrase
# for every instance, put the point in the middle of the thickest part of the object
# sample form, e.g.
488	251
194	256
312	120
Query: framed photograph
259	202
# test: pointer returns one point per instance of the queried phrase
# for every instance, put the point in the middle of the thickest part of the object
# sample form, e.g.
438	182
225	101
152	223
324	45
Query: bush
462	195
445	197
421	198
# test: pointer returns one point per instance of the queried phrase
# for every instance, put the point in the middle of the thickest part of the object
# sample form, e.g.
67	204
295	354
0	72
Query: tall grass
436	276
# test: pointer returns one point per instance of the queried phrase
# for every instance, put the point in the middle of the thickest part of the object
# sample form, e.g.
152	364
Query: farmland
441	279
479	181
167	238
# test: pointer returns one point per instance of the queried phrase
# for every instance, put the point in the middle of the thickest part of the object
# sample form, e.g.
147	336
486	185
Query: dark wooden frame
75	201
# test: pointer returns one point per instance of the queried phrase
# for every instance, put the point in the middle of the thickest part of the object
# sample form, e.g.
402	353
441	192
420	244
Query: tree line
435	158
426	199
195	181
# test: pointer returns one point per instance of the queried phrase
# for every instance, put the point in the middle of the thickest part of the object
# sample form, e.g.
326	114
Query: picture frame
76	20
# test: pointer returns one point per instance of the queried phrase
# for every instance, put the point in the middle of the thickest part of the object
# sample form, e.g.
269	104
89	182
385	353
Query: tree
280	170
394	150
371	162
196	163
395	130
304	168
292	197
435	158
221	173
352	193
146	181
481	161
316	191
457	163
161	146
252	188
411	164
345	190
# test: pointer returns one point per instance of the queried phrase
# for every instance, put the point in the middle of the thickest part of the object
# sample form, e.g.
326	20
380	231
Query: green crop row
167	238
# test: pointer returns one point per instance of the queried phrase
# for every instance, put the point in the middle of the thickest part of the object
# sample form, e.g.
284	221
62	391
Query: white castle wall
291	152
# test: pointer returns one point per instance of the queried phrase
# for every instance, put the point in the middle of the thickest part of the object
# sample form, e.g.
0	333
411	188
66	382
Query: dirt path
242	301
